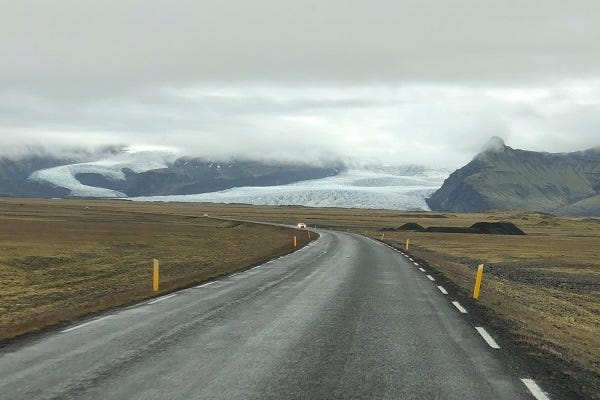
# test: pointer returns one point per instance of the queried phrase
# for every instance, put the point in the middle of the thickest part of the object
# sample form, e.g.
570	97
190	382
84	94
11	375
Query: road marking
442	290
258	266
410	258
486	336
416	263
85	324
534	389
236	274
431	278
421	269
205	284
460	308
161	299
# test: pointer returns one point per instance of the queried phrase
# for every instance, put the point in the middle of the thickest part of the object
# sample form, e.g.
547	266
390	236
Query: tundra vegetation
62	259
540	293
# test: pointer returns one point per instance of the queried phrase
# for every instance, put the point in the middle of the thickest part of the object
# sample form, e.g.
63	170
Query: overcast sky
425	81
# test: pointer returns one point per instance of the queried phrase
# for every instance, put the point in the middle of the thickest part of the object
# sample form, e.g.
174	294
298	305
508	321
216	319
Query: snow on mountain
112	168
401	188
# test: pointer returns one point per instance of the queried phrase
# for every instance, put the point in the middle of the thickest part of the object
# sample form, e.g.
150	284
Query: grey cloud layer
85	47
395	81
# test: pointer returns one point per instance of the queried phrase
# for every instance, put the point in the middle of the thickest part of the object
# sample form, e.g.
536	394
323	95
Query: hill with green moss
504	178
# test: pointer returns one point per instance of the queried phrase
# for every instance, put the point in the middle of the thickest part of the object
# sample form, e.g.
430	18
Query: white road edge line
416	264
442	290
85	324
421	269
461	309
431	278
534	389
410	258
258	266
162	298
205	284
486	336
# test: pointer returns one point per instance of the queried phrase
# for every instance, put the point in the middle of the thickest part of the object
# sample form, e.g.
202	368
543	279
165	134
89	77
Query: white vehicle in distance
301	225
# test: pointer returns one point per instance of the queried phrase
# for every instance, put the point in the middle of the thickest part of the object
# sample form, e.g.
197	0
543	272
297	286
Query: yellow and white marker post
407	244
478	281
308	234
155	275
295	241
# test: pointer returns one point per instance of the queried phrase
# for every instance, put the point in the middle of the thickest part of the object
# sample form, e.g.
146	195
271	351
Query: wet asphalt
343	318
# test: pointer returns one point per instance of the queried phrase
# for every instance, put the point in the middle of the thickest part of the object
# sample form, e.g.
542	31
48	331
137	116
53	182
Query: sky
394	82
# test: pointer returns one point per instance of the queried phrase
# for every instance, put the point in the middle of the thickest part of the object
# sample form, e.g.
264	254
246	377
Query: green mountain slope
505	178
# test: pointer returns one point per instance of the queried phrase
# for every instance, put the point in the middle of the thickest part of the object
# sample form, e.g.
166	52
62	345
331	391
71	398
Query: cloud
433	124
84	48
389	81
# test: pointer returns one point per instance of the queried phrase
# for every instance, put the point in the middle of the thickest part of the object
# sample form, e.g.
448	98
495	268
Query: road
343	318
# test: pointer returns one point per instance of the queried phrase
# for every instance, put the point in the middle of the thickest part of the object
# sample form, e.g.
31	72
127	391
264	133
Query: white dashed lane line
85	324
534	389
486	336
416	264
161	299
204	284
442	290
431	278
459	307
421	269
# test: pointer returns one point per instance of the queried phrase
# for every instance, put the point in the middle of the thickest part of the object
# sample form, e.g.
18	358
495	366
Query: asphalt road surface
344	318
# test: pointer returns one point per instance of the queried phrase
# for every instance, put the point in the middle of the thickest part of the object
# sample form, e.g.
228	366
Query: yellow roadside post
295	241
308	234
382	236
407	244
155	275
478	281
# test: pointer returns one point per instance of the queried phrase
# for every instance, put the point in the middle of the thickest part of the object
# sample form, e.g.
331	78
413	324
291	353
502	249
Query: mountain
504	178
14	176
123	173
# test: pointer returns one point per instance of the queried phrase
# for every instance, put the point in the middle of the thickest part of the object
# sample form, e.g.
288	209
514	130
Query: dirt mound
497	228
491	228
450	229
411	226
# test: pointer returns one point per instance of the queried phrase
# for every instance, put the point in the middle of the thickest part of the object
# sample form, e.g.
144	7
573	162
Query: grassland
61	259
541	291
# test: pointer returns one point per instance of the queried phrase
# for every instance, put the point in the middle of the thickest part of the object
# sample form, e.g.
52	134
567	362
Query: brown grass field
541	292
61	259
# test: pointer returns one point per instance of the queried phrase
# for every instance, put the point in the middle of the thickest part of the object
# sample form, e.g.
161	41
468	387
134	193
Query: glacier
112	168
398	188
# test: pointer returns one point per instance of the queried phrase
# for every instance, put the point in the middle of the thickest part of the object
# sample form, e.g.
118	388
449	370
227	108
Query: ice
398	188
112	168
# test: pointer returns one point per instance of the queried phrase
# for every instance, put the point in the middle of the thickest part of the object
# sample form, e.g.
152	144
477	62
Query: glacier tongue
112	168
358	188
